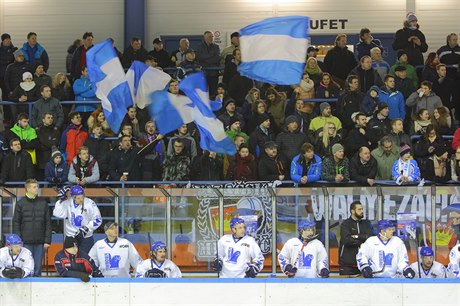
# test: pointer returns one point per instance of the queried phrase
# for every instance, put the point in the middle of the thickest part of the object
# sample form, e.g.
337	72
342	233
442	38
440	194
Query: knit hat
233	119
270	144
440	150
55	153
400	68
291	119
5	36
26	75
411	17
382	105
17	53
403	149
400	53
323	106
228	101
69	242
262	118
336	147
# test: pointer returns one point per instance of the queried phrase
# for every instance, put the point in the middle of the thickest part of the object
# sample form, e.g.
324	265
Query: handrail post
326	220
221	212
433	219
116	203
274	229
168	221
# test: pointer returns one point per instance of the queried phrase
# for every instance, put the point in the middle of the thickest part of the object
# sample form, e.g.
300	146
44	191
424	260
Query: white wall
273	292
59	22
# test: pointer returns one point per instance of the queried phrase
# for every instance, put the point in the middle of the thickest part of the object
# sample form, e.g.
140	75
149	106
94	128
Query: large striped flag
274	50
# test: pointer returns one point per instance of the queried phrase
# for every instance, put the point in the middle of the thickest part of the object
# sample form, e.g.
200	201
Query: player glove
217	265
83	276
155	273
290	270
324	273
9	273
367	272
82	231
409	273
62	193
252	271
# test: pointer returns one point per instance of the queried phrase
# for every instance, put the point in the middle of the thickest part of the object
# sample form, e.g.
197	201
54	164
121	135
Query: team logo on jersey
111	263
306	260
242	199
232	256
76	220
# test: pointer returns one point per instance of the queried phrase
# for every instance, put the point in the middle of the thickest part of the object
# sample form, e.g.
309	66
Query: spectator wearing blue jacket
393	98
84	90
56	170
306	167
405	170
34	52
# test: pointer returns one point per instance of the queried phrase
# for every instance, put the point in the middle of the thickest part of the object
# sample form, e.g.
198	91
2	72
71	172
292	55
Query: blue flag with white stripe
212	133
105	70
274	50
143	81
170	111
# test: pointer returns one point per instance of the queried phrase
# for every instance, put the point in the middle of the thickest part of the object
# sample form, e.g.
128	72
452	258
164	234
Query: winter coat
90	171
51	105
28	139
411	73
208	56
84	91
313	173
162	58
99	148
77	62
13	75
17	167
367	78
430	102
56	173
361	172
32	94
364	48
72	138
395	101
385	162
321	150
377	128
369	103
48	137
289	143
349	246
176	168
414	52
186	68
63	92
32	220
404	86
430	172
6	57
339	62
271	168
257	140
349	102
414	171
206	168
242	168
37	53
446	89
330	169
130	55
355	140
124	161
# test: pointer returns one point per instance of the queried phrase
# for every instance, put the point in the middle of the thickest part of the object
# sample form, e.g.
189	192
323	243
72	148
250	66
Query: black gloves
409	273
290	270
324	273
14	272
217	265
155	273
367	272
252	271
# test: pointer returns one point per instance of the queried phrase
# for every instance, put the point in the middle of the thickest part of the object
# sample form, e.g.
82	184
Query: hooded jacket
56	173
313	173
90	171
414	52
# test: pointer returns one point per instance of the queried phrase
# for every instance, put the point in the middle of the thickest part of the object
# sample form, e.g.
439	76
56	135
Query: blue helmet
236	221
426	251
13	239
76	190
158	245
384	224
305	224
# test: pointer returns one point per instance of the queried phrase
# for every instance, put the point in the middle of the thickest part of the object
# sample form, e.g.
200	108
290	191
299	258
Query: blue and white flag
143	81
105	70
274	50
170	111
212	133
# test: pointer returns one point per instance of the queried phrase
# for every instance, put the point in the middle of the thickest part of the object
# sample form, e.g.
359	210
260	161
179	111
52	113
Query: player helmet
426	251
13	239
305	224
384	224
236	221
76	190
158	245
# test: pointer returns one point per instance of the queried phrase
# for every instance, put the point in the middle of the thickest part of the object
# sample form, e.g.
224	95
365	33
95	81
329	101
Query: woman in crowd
442	120
251	98
61	88
276	103
243	167
421	122
323	146
313	70
429	72
438	167
327	88
98	118
455	165
427	145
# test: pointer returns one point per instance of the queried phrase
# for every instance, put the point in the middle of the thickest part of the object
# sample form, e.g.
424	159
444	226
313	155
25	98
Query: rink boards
260	291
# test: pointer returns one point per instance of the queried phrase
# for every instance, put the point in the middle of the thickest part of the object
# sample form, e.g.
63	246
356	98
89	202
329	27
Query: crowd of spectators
377	122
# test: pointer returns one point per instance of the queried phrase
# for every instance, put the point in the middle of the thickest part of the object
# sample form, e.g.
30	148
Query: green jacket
330	169
27	134
410	70
385	162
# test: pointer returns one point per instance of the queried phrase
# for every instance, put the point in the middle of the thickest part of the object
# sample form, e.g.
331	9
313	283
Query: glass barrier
447	223
189	219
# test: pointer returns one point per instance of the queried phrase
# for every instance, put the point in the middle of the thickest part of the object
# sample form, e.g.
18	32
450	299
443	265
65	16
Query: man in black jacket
124	164
48	137
272	167
16	166
363	167
353	231
358	137
32	222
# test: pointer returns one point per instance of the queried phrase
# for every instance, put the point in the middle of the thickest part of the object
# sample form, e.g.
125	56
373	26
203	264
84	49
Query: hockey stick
305	241
46	262
383	268
419	267
217	256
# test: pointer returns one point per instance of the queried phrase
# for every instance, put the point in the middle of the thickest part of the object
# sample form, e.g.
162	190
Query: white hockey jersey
23	260
310	262
453	268
237	255
170	268
114	259
374	252
437	270
76	216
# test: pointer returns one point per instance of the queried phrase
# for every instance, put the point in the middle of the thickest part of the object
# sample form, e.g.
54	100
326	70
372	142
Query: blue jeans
86	244
37	250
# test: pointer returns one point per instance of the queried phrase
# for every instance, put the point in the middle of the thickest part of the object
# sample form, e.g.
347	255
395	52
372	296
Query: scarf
27	86
439	167
306	86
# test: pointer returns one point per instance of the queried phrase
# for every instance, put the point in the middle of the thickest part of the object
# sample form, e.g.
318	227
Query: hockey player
238	254
15	260
158	266
304	256
73	262
454	262
430	268
81	217
114	255
384	255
